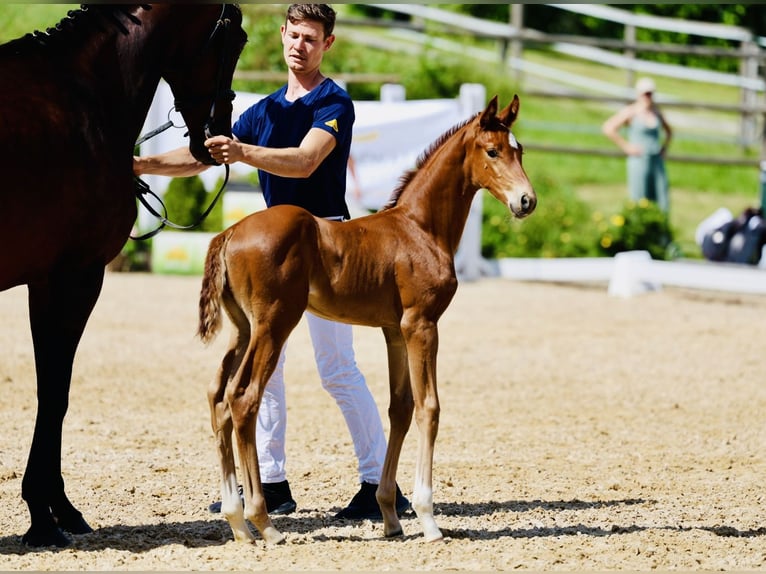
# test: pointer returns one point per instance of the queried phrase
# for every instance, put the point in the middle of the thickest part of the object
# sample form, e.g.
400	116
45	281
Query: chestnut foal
393	269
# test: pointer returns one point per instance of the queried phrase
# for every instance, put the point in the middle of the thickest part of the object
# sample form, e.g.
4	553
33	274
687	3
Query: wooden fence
512	37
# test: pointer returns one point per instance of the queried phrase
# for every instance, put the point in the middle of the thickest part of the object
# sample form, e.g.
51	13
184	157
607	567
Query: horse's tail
212	288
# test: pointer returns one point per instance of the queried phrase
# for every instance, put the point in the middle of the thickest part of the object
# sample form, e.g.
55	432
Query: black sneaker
279	500
364	505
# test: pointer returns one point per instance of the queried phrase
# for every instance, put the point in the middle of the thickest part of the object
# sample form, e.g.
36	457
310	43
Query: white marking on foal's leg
423	504
231	508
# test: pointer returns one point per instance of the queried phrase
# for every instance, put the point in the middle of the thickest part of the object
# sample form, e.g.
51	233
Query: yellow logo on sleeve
332	124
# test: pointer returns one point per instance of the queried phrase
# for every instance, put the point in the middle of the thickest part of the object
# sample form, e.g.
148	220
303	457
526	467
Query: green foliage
639	226
559	227
22	18
214	221
565	226
185	200
135	256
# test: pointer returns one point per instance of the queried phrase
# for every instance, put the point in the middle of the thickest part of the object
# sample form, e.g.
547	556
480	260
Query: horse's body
393	269
72	105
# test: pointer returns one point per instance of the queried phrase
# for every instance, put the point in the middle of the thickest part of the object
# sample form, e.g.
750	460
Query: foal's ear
489	114
508	115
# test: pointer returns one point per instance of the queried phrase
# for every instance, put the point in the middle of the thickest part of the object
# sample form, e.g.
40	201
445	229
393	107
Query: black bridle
142	188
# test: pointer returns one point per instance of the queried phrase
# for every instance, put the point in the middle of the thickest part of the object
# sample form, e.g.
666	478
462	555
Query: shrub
186	199
565	226
559	227
639	226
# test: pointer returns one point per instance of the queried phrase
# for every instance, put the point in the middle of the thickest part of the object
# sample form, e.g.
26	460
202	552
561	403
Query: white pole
392	93
468	261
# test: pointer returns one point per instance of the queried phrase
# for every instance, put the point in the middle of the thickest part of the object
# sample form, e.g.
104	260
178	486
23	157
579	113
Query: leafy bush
186	199
560	227
135	256
565	226
639	226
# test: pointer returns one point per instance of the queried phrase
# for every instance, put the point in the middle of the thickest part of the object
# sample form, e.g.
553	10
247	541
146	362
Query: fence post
630	53
392	93
763	187
748	68
517	44
468	261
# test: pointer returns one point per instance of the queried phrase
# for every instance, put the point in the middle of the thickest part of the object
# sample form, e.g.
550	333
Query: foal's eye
492	153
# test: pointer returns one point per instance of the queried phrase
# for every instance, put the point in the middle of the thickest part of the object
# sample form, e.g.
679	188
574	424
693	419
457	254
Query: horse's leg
422	343
58	310
244	399
400	415
220	418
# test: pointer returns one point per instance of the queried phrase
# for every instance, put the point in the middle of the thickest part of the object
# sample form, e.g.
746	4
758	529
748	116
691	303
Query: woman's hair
321	13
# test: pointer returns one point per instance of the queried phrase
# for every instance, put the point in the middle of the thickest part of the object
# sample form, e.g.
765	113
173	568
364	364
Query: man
299	138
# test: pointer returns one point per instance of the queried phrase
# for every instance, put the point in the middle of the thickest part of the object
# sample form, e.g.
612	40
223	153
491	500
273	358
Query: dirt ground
578	432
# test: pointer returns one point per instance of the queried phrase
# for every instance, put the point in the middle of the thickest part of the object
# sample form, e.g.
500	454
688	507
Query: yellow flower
643	203
565	237
606	242
617	220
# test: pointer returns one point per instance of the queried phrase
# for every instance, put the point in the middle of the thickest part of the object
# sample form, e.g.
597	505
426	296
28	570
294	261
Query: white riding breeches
341	377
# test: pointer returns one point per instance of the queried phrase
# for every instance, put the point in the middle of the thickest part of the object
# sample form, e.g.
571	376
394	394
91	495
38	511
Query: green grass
19	19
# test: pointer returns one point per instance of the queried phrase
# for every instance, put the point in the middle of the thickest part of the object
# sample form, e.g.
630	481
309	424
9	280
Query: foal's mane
423	158
76	22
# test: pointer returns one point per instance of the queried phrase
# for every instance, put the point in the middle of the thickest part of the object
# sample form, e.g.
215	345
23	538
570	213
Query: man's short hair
321	13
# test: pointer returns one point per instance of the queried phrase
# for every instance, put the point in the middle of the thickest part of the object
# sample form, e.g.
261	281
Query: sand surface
578	432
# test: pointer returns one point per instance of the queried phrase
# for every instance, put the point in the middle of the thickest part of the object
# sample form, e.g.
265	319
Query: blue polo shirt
277	123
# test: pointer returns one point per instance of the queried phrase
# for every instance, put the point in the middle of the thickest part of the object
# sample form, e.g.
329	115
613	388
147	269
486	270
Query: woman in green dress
648	137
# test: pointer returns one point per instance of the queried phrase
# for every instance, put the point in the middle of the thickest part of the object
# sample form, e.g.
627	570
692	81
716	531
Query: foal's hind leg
220	417
244	398
400	415
59	308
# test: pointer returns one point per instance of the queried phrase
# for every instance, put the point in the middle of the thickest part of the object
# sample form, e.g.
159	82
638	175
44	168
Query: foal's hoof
42	537
272	536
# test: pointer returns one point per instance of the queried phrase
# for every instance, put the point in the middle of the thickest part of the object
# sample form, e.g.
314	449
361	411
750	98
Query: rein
142	188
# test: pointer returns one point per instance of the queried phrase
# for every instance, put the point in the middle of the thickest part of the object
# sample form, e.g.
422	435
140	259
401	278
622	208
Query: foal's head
495	159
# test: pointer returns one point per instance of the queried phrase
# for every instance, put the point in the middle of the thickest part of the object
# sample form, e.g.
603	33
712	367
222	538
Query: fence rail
601	152
622	54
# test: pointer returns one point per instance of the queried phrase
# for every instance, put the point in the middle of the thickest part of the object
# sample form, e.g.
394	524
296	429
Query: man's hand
224	149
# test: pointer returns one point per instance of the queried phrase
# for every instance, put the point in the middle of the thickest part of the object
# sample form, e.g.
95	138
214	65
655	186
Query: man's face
304	45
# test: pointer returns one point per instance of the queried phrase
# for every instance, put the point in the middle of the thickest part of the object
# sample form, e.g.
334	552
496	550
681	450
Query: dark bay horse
73	102
393	269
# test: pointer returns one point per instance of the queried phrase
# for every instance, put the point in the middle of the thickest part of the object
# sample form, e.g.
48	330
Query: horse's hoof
436	536
74	524
394	533
39	538
272	536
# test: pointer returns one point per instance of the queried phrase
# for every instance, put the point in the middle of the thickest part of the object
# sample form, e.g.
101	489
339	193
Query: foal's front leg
400	415
422	344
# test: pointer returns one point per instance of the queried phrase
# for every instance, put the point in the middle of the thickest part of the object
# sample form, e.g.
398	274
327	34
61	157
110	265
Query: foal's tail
212	289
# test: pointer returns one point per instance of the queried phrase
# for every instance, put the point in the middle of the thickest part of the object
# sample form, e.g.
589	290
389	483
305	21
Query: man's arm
298	162
177	163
